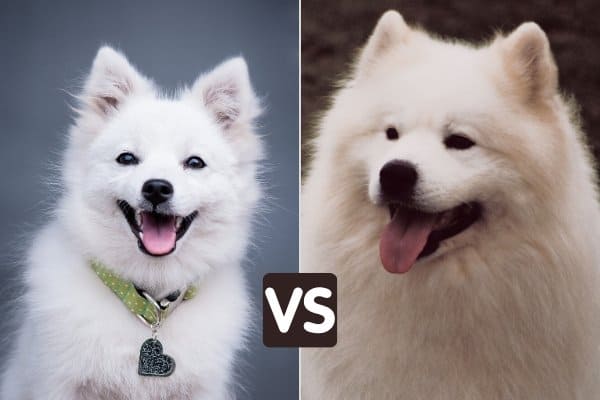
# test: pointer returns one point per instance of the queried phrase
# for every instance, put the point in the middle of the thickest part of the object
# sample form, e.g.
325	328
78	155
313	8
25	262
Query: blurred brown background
332	31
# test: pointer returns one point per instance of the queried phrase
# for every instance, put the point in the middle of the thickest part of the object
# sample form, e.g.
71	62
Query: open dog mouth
412	234
157	233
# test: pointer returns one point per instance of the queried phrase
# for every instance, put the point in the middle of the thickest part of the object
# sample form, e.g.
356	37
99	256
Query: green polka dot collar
130	296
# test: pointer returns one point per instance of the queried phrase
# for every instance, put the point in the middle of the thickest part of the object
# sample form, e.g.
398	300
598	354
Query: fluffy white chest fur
78	340
528	331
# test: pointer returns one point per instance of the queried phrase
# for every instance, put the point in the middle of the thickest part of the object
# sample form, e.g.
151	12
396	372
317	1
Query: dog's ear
227	94
110	83
390	31
528	60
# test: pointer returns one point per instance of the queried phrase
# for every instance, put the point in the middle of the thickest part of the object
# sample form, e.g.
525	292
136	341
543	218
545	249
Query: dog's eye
458	142
392	133
127	159
194	162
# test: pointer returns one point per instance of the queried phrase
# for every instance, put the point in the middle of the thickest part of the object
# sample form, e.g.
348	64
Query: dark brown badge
299	310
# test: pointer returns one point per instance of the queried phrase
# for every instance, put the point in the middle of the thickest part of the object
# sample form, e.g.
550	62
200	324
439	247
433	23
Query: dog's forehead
166	124
408	103
440	83
158	115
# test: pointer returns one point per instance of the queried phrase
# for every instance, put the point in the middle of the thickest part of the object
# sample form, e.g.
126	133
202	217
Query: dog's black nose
398	179
157	191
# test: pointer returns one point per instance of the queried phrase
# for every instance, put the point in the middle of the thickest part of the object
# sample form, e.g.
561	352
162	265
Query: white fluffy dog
158	196
463	168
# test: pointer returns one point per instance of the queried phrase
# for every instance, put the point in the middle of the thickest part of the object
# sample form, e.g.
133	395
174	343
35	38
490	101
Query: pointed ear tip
232	67
391	15
531	31
530	26
107	54
105	51
237	63
391	19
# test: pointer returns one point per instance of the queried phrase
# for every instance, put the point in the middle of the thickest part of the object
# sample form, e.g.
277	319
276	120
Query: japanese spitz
462	171
160	193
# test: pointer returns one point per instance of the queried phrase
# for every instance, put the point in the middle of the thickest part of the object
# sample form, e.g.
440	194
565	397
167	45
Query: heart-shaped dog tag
152	360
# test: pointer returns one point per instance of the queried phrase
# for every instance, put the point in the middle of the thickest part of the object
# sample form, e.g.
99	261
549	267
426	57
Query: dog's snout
157	191
398	179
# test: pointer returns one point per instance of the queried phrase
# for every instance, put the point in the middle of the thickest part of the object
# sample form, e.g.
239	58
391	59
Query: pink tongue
158	233
403	239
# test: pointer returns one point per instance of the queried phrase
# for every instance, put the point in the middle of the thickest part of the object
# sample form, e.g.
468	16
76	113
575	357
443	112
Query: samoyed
158	198
461	170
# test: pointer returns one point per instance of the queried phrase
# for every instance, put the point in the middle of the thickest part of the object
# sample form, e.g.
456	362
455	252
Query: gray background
46	47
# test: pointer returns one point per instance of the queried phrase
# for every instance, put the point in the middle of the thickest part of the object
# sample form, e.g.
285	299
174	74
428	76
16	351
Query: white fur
507	309
78	341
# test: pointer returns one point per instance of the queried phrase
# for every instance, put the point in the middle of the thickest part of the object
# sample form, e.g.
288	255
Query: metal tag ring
160	312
